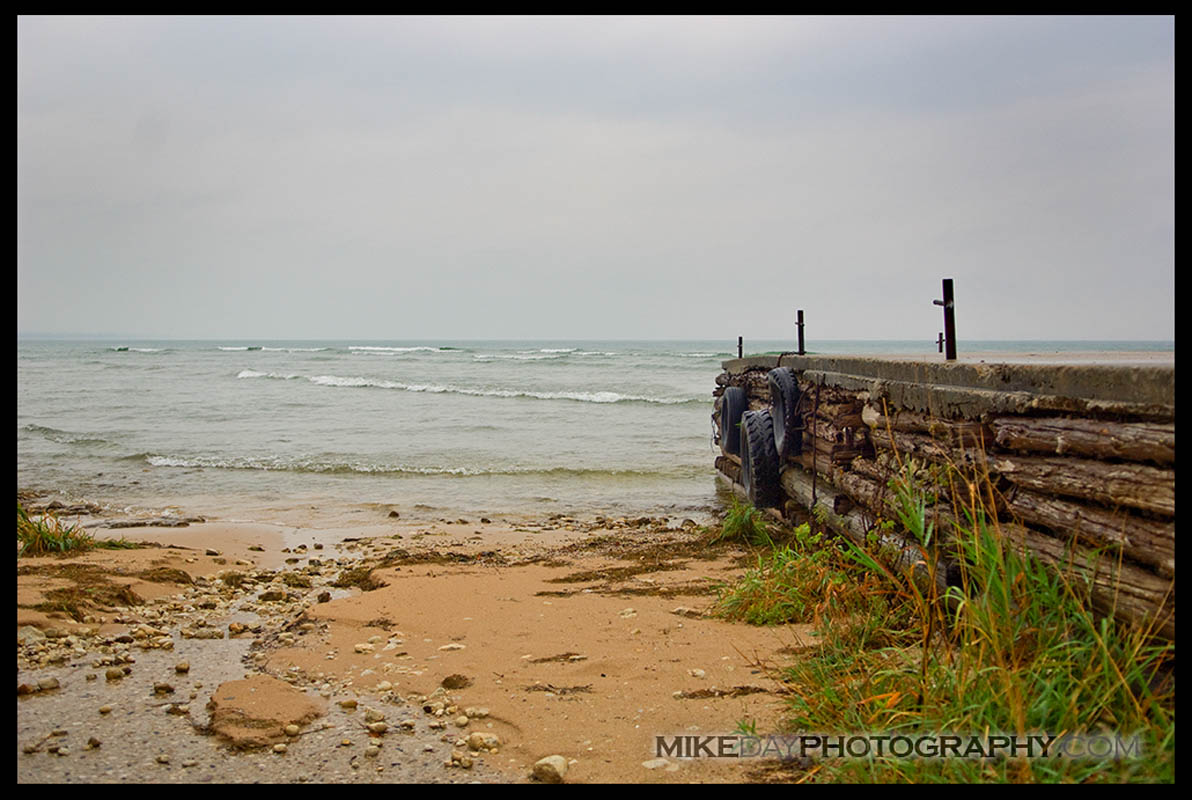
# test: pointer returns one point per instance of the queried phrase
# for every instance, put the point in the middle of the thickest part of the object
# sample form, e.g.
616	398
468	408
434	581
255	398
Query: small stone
372	751
656	763
114	674
46	684
163	688
182	667
190	762
63	751
461	721
453	646
292	730
280	748
93	743
373	715
348	705
696	673
483	741
377	727
163	759
26	688
212	552
627	613
105	709
551	769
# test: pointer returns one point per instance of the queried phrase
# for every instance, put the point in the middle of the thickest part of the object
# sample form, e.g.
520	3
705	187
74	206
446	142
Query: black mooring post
949	305
802	352
740	347
940	341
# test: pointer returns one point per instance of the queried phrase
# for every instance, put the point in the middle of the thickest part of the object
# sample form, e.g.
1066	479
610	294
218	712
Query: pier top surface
1134	378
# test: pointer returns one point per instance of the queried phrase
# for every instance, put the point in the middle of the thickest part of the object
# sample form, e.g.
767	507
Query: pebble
377	727
373	715
114	674
292	730
372	751
483	741
105	709
551	769
182	667
163	759
280	748
45	684
656	763
348	705
461	721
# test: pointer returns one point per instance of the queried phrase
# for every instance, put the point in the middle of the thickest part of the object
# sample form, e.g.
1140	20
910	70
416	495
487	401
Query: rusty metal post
740	347
802	352
949	305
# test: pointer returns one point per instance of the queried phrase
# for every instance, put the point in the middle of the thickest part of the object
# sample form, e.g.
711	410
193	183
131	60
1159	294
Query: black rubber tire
759	459
784	402
732	405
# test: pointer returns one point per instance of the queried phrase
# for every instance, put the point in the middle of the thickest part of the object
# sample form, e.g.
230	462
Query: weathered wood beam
1132	441
1133	485
1146	541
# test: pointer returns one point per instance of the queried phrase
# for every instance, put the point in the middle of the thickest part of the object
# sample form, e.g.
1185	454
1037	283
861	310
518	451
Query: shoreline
579	638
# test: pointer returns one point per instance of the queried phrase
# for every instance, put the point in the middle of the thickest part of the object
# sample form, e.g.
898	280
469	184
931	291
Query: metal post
949	305
802	352
940	341
740	347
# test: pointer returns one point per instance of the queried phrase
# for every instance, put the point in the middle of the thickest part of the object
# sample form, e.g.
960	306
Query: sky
595	177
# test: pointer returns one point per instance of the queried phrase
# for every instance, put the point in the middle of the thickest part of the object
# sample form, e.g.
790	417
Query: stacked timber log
1090	488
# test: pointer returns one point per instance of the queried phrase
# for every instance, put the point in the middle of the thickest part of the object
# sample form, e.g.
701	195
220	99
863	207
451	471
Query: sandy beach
404	651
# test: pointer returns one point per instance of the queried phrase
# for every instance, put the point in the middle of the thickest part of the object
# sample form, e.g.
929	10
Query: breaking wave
377	383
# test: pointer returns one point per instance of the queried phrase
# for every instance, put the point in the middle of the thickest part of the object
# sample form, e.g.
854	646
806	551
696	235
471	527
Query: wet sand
579	638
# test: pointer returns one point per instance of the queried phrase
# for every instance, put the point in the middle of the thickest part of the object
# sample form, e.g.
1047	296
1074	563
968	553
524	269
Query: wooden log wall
1062	486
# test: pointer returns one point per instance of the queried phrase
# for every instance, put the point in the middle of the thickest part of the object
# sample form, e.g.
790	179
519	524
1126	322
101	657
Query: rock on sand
256	710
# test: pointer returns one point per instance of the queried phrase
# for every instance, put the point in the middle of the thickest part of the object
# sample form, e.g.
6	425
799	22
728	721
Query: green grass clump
744	523
47	534
798	581
1013	647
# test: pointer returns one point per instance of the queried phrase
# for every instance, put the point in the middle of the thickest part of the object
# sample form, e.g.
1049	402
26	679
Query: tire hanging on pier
759	458
784	399
732	405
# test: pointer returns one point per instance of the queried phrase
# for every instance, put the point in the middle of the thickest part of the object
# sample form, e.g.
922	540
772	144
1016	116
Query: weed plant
47	534
744	523
1011	648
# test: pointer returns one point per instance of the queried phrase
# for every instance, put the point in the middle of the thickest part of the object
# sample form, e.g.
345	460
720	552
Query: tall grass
1011	647
48	534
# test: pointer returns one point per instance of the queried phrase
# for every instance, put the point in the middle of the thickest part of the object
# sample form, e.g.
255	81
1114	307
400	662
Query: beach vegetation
744	523
45	534
1011	646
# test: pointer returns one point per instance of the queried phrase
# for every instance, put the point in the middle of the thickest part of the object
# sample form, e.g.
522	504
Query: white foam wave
252	373
541	356
295	349
583	397
370	349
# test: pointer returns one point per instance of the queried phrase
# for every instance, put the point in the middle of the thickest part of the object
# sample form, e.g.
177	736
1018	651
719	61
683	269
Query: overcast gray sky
700	177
